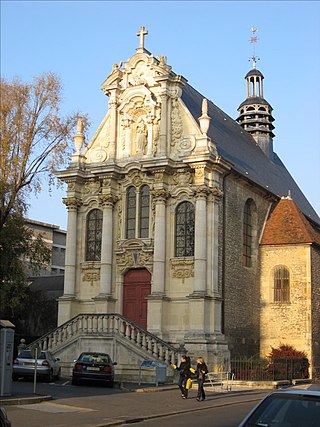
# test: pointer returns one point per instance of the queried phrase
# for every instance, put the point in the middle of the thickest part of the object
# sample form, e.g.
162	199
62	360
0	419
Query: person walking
201	371
184	374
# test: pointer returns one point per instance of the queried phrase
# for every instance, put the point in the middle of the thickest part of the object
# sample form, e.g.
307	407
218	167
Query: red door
136	286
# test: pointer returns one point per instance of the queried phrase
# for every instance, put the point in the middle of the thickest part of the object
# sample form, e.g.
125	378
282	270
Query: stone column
159	255
200	242
107	202
72	204
113	126
216	197
163	124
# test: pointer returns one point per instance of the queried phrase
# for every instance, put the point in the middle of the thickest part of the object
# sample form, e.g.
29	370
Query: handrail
111	323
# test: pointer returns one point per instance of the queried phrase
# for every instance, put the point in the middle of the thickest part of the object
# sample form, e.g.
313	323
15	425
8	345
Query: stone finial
79	136
204	120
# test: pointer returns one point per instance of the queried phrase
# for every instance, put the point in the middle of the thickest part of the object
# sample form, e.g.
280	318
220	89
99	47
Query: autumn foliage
285	351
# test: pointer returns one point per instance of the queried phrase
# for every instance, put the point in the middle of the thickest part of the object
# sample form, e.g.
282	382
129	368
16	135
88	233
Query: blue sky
205	41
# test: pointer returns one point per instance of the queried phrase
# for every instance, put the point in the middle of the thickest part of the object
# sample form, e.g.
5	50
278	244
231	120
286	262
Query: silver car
47	366
286	408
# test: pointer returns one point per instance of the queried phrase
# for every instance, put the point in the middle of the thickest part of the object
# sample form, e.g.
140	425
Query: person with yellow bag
184	375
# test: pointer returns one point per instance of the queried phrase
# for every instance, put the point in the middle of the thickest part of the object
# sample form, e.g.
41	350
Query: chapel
184	223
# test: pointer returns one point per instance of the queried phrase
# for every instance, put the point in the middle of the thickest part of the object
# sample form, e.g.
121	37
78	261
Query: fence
269	369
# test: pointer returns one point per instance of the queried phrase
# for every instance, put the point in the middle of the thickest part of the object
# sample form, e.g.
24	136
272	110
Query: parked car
4	422
47	366
286	408
93	366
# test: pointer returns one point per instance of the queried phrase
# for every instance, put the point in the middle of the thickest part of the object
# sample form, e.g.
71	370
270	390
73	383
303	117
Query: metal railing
250	369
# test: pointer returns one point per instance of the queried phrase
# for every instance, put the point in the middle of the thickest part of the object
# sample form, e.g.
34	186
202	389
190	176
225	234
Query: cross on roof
141	33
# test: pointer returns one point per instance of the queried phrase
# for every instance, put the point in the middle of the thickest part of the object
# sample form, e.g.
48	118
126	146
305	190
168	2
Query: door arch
136	287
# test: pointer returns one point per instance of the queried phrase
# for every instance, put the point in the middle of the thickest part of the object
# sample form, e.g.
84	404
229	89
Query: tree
18	248
34	139
285	351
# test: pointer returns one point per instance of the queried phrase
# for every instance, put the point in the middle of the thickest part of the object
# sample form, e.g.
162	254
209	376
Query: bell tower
255	113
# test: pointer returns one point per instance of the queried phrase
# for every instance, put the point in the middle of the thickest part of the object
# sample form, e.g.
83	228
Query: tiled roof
239	148
287	225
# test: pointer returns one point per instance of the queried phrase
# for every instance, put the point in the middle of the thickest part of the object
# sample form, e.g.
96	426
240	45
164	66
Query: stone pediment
141	69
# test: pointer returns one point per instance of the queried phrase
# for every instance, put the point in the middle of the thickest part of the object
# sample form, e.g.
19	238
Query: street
92	406
225	416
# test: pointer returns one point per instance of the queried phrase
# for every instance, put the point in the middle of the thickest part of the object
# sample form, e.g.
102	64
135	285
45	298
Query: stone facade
162	146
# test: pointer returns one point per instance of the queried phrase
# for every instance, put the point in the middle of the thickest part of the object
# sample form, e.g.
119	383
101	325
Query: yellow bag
189	384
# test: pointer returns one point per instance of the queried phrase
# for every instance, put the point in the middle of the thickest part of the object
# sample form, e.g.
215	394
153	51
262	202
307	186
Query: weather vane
254	39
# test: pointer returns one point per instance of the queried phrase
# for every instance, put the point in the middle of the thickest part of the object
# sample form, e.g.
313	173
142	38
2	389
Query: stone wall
315	311
241	284
286	323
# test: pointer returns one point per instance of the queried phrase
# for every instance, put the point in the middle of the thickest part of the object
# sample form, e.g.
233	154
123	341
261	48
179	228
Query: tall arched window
184	230
144	212
137	212
94	235
247	234
281	284
131	213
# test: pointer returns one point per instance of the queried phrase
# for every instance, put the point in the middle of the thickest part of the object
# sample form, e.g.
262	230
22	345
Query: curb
27	400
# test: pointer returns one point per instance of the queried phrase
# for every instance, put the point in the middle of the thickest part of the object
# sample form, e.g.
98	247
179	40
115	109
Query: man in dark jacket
184	371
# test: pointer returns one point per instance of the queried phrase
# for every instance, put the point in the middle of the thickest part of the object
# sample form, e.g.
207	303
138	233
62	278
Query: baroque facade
167	208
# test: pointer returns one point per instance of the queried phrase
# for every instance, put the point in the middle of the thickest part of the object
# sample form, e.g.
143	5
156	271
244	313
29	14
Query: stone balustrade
113	325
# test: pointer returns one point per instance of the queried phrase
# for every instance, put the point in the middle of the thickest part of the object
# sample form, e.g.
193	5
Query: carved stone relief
182	268
134	258
91	187
182	177
90	273
176	123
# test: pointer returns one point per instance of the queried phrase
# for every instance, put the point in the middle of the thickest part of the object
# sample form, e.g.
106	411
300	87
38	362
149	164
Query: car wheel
58	374
110	384
50	377
74	381
15	377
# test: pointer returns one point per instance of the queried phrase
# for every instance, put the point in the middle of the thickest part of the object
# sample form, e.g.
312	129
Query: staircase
127	343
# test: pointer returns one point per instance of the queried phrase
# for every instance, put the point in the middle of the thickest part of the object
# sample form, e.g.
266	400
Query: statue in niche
141	136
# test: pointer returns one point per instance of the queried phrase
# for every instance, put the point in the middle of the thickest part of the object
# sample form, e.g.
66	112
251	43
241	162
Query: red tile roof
286	224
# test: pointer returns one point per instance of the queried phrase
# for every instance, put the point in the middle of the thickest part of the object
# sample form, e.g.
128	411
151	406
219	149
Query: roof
239	148
286	224
254	100
254	72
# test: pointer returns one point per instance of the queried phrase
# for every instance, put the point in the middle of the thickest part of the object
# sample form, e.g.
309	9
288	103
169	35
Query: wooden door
136	286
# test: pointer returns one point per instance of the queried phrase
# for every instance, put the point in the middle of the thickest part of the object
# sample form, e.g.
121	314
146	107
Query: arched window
184	230
247	234
144	212
131	213
281	284
94	235
137	213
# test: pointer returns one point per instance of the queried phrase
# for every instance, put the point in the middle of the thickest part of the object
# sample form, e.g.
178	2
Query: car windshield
95	358
287	411
26	354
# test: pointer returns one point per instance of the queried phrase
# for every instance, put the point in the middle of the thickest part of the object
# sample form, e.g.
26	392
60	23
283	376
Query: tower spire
254	39
255	113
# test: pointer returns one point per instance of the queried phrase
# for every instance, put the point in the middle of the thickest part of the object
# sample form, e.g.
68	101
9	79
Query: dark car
93	366
286	408
47	366
4	422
